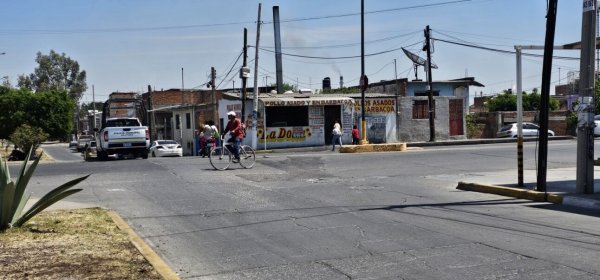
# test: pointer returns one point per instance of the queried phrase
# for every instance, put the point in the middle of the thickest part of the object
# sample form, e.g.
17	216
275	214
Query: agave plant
13	197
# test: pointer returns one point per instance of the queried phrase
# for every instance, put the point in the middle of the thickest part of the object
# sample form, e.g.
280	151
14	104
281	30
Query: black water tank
326	84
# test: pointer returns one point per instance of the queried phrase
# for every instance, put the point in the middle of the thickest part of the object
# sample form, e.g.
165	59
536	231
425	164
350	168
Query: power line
339	57
349	44
115	30
192	26
230	69
372	12
502	51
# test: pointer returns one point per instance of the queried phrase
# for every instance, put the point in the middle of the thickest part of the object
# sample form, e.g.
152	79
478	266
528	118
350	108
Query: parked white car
597	125
529	130
165	148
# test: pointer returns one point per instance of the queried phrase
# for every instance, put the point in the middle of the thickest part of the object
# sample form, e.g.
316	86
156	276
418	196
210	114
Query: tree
507	101
51	111
55	72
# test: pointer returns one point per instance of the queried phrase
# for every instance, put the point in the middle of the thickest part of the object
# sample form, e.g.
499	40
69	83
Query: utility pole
244	75
213	76
182	102
255	103
363	77
545	96
94	108
585	118
429	86
181	114
519	119
278	59
397	101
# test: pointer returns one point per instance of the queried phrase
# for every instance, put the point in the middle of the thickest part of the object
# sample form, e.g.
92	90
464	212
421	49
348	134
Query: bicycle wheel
247	157
220	158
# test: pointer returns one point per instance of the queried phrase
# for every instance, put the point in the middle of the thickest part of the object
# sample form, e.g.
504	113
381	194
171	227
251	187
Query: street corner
367	148
511	192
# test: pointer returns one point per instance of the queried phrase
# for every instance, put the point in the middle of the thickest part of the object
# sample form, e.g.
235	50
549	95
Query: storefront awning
306	101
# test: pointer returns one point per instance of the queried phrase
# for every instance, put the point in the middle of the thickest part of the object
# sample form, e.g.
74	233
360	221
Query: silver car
529	130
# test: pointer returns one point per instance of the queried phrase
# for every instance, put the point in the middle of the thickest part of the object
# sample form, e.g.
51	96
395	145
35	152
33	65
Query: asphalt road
326	215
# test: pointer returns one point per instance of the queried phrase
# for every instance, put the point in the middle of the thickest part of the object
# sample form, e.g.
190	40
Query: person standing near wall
336	135
355	135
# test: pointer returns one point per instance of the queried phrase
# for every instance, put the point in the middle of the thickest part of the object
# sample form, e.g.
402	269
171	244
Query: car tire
144	154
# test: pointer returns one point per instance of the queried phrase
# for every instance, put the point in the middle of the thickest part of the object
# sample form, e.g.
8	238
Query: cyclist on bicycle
237	134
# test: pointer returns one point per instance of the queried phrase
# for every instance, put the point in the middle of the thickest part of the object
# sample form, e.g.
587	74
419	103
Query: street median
511	192
367	148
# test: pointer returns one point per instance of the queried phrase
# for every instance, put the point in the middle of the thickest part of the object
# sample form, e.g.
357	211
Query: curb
512	192
161	267
368	148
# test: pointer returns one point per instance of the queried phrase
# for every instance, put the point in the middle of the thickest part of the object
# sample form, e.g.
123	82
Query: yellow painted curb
373	148
512	192
161	267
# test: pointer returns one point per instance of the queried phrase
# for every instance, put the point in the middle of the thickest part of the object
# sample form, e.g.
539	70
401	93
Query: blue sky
125	45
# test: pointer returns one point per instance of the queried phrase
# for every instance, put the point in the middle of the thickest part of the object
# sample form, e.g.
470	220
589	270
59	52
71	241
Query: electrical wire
192	26
332	58
502	51
349	44
371	12
230	69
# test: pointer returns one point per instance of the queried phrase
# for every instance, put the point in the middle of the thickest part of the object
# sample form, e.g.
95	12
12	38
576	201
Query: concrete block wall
417	130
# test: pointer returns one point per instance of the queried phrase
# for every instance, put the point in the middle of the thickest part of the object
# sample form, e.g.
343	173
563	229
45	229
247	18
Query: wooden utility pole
255	103
545	96
429	86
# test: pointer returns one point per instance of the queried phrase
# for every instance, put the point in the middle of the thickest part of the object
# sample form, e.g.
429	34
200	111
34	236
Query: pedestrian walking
336	135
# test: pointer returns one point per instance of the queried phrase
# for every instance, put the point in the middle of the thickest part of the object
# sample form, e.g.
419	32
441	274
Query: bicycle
221	157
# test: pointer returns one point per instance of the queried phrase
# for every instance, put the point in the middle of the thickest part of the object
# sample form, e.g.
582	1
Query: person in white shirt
211	135
336	135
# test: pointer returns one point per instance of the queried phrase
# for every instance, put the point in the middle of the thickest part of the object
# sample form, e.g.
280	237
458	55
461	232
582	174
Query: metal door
456	117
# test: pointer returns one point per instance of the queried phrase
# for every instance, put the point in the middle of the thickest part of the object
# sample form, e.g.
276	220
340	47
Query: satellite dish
417	61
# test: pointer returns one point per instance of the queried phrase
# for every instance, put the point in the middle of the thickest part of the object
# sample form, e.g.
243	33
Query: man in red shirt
237	134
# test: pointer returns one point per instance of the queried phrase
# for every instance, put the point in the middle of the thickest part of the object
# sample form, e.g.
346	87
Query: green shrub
472	128
13	197
27	137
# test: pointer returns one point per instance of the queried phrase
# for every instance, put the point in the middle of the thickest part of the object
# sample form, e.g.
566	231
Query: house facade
293	120
399	113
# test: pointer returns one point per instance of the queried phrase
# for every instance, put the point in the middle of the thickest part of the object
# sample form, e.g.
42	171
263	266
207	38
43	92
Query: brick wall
490	122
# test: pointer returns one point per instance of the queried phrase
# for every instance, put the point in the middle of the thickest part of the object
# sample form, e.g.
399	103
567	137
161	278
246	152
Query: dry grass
71	244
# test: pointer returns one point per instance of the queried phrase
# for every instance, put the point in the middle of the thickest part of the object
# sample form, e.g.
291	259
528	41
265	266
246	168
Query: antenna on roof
417	61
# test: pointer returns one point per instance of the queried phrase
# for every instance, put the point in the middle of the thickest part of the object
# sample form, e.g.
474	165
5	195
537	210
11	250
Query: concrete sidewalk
560	186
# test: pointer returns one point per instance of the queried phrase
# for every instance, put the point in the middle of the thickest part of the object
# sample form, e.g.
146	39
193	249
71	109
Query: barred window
421	109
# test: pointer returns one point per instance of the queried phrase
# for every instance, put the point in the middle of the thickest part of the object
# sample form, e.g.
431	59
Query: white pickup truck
122	136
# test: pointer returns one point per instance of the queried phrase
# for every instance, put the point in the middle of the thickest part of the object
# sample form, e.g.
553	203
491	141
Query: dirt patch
71	244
